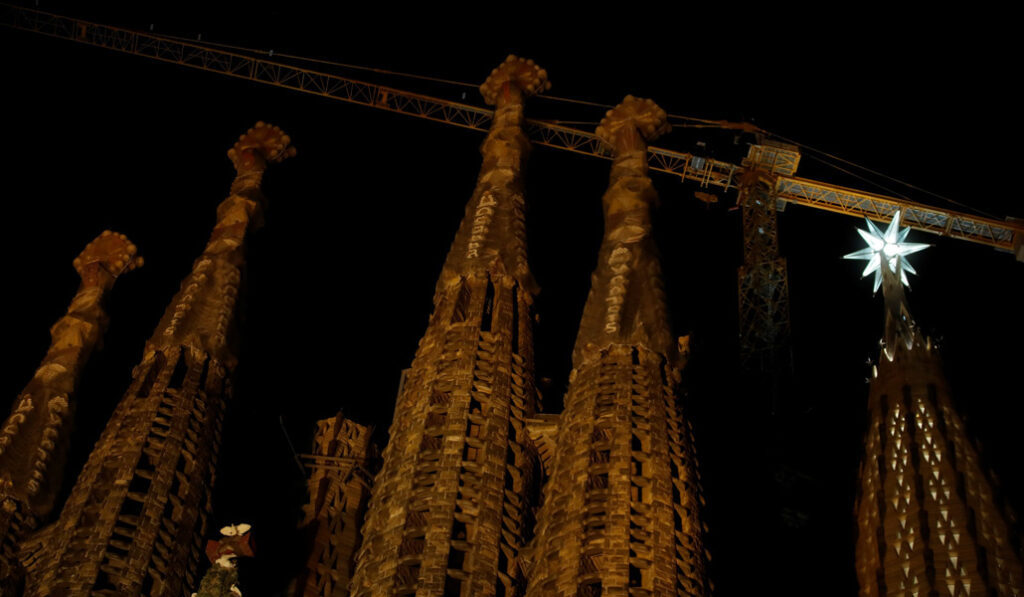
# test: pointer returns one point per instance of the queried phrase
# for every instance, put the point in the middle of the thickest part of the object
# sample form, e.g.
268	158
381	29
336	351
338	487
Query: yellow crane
781	162
766	179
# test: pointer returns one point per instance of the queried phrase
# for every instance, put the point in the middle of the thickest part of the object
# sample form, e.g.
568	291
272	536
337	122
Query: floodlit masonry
342	464
136	517
621	506
451	504
34	438
927	519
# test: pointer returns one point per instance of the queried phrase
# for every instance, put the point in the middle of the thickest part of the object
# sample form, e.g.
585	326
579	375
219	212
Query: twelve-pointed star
887	246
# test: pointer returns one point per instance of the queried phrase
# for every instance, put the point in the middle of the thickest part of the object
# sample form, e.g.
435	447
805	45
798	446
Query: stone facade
927	519
451	504
135	519
34	438
343	463
621	506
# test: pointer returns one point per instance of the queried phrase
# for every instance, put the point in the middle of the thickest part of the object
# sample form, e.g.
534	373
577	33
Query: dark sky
340	280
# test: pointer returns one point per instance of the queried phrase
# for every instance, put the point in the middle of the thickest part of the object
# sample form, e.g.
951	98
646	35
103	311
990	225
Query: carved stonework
135	520
34	438
450	507
343	464
927	517
622	501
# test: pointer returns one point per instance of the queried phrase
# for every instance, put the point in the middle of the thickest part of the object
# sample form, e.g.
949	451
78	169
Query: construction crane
1007	236
765	180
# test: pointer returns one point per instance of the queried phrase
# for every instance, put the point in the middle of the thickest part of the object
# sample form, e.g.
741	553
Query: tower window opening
488	315
515	319
461	303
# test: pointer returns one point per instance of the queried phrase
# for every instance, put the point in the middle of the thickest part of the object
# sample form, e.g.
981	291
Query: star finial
887	248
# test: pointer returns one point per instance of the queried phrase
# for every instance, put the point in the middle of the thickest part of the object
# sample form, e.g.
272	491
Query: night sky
340	281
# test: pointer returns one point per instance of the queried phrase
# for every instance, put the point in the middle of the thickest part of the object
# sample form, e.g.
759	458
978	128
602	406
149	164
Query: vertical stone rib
449	506
621	507
34	438
134	522
927	521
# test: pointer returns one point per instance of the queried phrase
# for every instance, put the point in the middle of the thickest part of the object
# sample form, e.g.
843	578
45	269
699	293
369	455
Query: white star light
889	247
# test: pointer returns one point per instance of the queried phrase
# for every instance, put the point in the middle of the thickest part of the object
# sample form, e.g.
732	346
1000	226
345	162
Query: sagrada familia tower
34	438
451	504
620	512
477	493
927	520
136	518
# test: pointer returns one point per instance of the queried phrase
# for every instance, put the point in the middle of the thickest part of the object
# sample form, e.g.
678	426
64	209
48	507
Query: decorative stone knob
523	73
111	251
633	114
264	140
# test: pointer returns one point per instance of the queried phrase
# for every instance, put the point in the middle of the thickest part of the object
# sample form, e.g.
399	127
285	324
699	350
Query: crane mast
763	282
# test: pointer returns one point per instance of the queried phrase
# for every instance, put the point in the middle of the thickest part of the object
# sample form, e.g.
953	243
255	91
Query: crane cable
877	173
693	121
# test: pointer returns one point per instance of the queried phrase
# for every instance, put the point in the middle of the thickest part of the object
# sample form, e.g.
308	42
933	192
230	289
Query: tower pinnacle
886	255
927	518
514	76
621	505
134	521
450	506
492	235
34	438
626	303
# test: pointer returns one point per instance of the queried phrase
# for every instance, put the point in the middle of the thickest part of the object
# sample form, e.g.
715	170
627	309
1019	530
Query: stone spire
34	438
492	235
626	304
927	516
135	520
450	505
621	506
886	255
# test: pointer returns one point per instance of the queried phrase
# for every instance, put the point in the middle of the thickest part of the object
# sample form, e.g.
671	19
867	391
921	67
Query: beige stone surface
621	510
927	517
136	517
451	504
342	466
34	438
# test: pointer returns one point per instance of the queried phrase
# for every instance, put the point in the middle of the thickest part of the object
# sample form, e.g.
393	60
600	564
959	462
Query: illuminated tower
134	522
621	507
451	501
927	522
343	463
34	438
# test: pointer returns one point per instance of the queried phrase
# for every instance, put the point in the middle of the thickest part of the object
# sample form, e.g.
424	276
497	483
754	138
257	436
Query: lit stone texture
342	465
451	503
136	517
927	518
34	438
621	507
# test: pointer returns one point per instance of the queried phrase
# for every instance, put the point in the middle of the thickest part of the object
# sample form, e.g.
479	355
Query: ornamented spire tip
887	248
521	72
633	114
110	250
268	141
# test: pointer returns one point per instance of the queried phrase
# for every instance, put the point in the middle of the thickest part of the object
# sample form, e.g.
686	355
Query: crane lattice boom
1006	236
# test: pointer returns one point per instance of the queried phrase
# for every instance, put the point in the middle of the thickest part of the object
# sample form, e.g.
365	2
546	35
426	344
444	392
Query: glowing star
888	248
